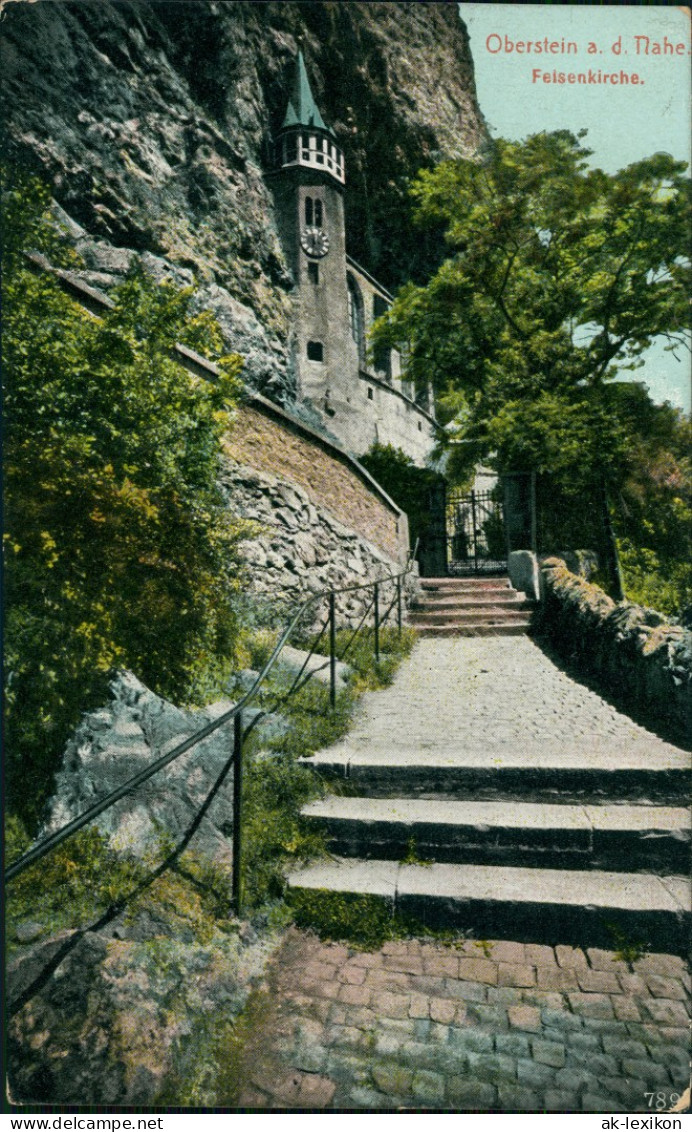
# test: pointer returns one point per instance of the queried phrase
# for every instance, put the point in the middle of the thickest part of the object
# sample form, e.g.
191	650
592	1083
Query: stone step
464	585
648	838
645	770
584	908
480	615
500	599
475	629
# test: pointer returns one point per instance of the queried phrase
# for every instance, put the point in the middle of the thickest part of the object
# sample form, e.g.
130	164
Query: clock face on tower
314	241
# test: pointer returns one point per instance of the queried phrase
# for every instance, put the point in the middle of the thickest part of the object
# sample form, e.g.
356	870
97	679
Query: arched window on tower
318	213
309	211
355	316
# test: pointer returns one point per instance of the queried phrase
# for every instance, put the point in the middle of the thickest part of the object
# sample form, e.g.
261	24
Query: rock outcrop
128	1020
115	742
152	123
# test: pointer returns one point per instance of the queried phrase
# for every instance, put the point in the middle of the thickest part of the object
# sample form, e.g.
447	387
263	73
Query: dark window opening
309	211
318	213
355	316
315	352
291	149
314	272
382	358
319	158
382	361
420	427
370	394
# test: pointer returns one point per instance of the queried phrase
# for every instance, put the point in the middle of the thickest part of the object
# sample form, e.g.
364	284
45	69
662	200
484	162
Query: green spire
302	108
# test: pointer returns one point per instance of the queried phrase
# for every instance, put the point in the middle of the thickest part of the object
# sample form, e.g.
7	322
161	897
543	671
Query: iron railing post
237	811
398	604
377	623
474	520
332	650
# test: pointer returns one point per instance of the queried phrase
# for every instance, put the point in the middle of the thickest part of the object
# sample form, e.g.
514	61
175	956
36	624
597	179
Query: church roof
302	109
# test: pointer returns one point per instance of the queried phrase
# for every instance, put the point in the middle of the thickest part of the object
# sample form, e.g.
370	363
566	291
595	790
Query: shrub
118	548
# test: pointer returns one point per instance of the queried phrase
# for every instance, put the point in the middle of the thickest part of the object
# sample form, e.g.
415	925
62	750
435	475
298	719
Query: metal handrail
48	844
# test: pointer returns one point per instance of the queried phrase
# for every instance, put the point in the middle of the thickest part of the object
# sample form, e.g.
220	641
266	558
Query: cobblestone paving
490	690
481	1026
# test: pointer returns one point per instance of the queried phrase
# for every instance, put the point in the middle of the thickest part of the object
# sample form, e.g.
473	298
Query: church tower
361	396
308	181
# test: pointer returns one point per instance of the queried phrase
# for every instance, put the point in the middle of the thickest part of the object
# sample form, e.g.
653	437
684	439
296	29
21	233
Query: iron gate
476	540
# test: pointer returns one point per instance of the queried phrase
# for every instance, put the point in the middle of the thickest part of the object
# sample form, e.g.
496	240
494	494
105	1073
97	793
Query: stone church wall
384	415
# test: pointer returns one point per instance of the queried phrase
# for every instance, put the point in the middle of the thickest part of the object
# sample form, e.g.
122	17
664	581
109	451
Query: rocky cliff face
152	123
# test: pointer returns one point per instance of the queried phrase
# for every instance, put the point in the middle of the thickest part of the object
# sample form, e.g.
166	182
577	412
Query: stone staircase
470	607
584	843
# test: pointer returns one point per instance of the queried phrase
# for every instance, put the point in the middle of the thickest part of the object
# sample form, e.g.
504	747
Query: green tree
119	550
559	276
408	486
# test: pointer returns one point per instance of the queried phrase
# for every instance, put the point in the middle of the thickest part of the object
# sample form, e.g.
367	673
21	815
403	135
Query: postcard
348	594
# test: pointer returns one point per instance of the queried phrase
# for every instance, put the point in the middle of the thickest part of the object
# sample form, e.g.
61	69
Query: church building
360	394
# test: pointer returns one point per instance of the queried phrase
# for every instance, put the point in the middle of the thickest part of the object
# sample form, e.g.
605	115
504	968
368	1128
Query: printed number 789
659	1101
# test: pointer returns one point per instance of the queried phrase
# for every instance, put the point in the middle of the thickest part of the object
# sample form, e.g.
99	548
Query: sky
625	122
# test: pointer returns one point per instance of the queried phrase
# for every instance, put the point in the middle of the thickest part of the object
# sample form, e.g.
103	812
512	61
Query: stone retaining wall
643	659
301	548
270	441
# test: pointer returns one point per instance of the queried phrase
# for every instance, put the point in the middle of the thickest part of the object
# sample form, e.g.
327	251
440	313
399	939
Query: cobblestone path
485	1026
491	691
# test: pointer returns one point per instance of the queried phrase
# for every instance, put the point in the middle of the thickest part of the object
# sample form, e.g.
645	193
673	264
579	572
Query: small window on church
315	352
318	213
380	306
370	394
420	427
309	210
314	272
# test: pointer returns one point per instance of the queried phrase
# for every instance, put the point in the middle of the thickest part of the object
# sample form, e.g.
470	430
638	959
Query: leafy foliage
274	833
276	787
408	485
365	921
119	551
559	276
394	647
77	881
653	502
